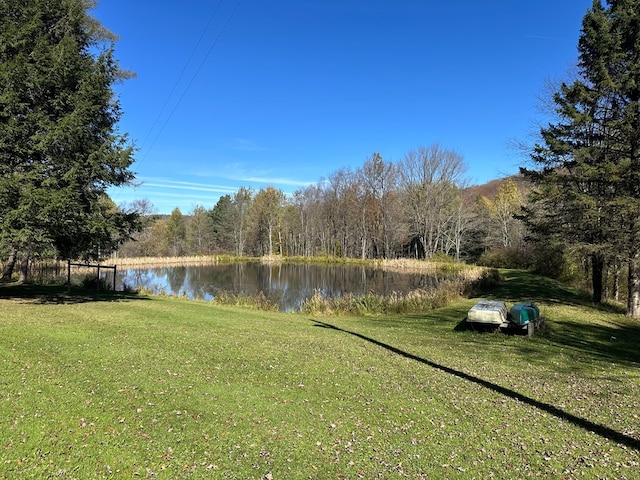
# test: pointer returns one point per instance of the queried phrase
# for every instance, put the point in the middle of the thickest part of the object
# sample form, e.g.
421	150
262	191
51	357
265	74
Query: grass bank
120	386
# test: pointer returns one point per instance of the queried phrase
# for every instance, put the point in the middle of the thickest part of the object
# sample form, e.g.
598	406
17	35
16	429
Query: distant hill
490	189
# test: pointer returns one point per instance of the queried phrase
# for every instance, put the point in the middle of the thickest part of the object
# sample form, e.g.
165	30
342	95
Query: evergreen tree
589	161
59	144
222	224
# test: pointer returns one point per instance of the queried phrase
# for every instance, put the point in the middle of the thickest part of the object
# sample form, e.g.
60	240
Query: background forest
416	208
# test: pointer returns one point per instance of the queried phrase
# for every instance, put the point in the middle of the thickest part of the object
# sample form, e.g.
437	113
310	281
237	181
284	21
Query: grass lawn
119	386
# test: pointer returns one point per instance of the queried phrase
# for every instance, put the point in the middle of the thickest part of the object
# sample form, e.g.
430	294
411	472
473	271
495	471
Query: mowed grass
119	386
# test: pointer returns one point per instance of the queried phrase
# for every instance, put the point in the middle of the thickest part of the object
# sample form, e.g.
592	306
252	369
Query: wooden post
114	277
98	282
68	272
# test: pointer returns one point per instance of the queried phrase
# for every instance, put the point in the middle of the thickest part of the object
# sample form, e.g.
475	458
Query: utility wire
184	69
213	45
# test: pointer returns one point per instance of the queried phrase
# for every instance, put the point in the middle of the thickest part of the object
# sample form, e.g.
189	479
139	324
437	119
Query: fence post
114	277
69	272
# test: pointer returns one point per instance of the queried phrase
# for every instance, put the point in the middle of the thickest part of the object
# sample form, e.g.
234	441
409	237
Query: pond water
288	285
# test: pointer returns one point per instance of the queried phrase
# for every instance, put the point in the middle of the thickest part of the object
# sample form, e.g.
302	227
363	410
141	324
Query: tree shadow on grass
61	294
582	341
616	343
580	422
611	340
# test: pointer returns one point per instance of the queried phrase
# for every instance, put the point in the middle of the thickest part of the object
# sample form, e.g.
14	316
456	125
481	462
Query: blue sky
253	93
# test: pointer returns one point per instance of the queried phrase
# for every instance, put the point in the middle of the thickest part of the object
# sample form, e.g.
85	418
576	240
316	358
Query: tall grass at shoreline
133	262
372	304
420	300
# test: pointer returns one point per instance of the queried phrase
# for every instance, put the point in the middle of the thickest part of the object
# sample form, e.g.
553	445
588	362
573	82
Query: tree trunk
597	271
616	281
633	302
24	266
7	272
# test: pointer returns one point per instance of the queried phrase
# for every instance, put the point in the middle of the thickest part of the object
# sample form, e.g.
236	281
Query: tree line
417	207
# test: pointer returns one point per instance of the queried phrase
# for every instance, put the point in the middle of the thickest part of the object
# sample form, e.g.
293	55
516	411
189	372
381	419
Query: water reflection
287	285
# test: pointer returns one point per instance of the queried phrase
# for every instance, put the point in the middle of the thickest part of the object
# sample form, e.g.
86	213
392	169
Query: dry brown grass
271	260
407	265
164	261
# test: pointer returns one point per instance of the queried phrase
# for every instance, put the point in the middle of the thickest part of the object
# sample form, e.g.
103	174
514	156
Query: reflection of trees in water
286	284
149	278
176	279
207	280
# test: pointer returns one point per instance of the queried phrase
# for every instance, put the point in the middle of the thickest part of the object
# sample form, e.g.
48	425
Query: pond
288	285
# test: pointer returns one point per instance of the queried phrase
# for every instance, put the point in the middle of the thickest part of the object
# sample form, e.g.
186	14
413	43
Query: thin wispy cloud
246	145
166	194
180	185
242	175
275	181
188	196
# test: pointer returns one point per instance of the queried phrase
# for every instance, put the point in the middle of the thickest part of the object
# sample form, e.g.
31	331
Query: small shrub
368	303
507	257
94	283
260	301
264	303
131	289
553	260
440	257
317	305
490	279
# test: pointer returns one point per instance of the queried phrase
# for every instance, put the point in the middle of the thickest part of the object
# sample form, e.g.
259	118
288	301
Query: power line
213	45
184	69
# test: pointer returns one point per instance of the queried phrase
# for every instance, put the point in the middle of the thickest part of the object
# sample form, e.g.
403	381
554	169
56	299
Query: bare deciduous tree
427	176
